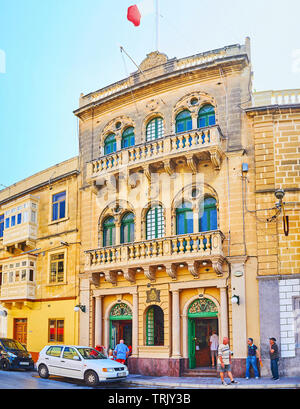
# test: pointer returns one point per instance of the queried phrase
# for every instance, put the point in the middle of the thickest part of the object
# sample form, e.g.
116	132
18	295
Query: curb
212	386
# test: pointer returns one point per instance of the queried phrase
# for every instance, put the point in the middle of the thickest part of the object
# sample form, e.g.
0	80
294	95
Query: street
31	380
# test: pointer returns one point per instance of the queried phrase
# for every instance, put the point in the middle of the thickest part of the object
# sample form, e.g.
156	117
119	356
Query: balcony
18	291
18	279
192	146
168	253
21	222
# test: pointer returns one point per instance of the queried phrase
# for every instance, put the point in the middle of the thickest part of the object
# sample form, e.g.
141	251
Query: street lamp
80	307
235	299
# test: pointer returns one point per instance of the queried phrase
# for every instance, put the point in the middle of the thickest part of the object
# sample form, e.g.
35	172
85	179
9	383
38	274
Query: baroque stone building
163	226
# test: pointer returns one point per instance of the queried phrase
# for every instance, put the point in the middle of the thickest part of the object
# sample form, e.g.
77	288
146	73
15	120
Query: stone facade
180	268
276	133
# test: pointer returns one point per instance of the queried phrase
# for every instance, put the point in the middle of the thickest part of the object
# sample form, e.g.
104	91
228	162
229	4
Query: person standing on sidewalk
274	357
224	357
214	344
251	359
122	352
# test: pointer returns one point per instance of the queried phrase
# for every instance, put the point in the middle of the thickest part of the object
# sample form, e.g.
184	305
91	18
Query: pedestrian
214	344
110	354
252	359
224	357
121	352
274	357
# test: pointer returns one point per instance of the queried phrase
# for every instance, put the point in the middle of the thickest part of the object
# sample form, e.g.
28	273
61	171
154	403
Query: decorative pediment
153	60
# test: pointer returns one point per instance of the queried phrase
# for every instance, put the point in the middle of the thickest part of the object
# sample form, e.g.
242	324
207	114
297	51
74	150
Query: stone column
223	314
118	233
135	325
176	334
98	320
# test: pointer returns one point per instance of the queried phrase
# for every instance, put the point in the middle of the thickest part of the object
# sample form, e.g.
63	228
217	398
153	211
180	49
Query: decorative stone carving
111	277
194	268
153	295
95	279
203	305
171	270
216	159
168	166
129	274
121	310
150	272
152	105
191	163
217	264
153	59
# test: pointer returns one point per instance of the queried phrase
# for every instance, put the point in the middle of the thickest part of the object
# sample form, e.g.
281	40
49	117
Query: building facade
168	226
164	237
275	123
39	257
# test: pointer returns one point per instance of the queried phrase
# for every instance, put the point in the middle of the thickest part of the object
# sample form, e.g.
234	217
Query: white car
79	362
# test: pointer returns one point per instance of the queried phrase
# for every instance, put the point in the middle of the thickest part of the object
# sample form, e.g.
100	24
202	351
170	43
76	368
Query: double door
200	330
20	330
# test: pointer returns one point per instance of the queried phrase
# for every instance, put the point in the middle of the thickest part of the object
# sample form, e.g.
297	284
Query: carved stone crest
153	295
153	60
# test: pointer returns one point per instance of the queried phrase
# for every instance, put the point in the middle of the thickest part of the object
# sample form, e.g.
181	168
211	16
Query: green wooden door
192	345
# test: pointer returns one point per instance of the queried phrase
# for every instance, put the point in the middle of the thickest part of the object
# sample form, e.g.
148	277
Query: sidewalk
212	383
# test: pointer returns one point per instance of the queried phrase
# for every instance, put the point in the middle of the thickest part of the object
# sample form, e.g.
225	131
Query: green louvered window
206	116
109	232
155	223
110	144
155	129
128	138
127	228
154	326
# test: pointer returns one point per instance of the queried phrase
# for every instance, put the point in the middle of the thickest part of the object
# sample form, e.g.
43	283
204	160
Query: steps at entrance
201	373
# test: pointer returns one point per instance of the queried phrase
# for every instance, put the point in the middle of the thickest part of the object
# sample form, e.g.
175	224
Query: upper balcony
206	144
18	279
164	254
20	222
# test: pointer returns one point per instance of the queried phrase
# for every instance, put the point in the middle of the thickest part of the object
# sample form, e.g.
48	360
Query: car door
71	364
52	360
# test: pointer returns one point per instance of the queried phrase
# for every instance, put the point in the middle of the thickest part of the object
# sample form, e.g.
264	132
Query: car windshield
90	353
12	344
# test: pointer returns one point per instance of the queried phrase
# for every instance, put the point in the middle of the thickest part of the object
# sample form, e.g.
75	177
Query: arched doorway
202	320
120	324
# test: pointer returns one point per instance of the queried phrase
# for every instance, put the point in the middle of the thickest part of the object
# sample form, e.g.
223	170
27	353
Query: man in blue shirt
121	352
251	359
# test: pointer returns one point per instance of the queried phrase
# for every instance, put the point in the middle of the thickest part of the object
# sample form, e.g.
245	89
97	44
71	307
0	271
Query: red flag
134	15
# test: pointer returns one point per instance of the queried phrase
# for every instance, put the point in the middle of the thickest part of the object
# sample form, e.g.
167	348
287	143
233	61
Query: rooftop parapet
157	64
281	97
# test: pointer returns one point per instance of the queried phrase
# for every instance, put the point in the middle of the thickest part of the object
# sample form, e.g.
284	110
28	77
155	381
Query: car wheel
5	365
91	378
43	372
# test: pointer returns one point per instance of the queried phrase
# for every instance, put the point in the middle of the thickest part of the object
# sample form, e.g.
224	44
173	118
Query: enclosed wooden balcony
164	254
192	146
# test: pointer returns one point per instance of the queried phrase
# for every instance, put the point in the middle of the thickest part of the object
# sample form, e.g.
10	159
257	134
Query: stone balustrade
281	97
144	255
201	140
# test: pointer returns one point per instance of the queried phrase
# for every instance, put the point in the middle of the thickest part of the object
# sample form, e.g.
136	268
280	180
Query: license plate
121	373
24	363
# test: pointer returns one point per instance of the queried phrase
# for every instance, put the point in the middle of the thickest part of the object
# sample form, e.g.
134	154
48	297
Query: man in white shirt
214	343
224	356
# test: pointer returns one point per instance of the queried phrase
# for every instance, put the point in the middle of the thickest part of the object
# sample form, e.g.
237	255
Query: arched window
154	326
155	129
127	228
155	223
109	232
128	137
209	219
184	219
206	116
184	121
110	144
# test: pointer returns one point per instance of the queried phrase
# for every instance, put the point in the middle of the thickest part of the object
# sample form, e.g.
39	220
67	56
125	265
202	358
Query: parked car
14	355
79	362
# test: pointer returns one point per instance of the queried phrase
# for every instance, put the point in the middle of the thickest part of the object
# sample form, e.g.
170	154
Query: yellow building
164	238
39	257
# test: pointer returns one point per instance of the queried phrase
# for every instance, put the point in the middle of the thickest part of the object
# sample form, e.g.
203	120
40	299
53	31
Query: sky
51	51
